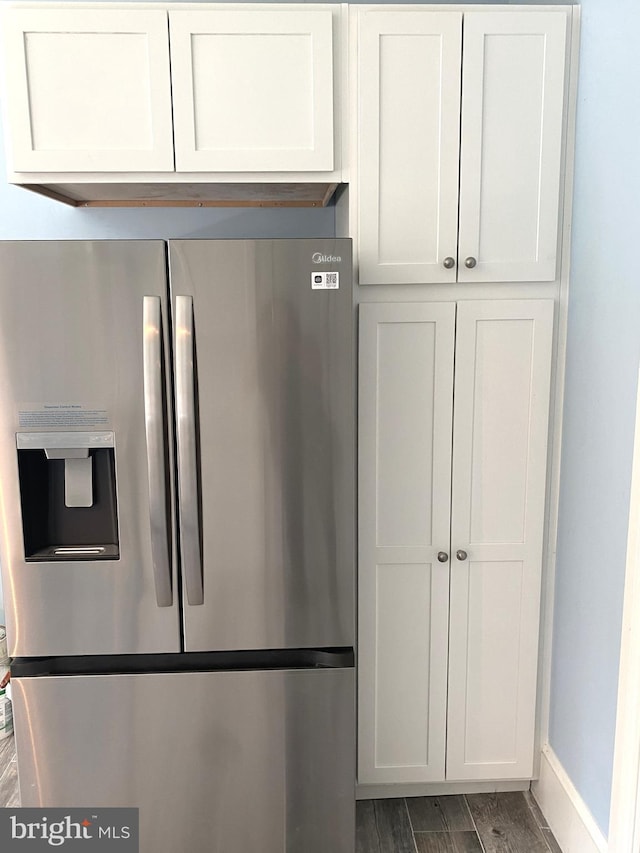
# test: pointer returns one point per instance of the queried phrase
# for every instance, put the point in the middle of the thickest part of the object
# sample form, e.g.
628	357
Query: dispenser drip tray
79	552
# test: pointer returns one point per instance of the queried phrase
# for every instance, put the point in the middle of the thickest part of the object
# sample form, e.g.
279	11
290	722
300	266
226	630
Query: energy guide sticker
325	280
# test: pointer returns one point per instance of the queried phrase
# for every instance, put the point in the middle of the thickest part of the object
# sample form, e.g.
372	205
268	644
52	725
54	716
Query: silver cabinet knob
470	263
461	555
442	556
449	263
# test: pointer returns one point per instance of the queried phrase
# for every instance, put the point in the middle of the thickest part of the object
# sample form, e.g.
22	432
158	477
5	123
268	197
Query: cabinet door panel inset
405	419
500	445
512	107
217	57
403	640
88	90
503	369
490	597
409	96
253	90
406	359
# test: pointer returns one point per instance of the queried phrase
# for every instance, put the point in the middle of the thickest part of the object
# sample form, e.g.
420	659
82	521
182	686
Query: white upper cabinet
87	90
252	90
512	98
408	143
412	155
248	92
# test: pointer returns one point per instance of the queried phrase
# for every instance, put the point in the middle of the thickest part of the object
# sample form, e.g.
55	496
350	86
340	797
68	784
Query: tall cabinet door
409	128
253	89
503	362
512	106
405	412
88	89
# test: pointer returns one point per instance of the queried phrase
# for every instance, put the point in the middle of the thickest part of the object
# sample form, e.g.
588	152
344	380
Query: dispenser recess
68	496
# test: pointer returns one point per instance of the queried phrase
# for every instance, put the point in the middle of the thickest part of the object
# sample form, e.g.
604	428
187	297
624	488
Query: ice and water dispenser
68	495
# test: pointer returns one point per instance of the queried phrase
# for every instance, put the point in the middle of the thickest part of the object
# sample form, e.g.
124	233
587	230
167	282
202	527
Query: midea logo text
57	832
319	258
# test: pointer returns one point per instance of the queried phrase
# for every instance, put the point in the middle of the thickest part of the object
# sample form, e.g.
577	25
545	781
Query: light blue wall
602	364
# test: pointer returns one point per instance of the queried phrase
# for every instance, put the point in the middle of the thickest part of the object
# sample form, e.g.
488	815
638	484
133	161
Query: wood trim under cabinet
188	195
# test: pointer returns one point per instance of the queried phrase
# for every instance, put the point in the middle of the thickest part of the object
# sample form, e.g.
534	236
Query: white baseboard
437	789
569	818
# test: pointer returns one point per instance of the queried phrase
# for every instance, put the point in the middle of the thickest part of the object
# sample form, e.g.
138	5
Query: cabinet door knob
442	556
461	555
470	263
449	263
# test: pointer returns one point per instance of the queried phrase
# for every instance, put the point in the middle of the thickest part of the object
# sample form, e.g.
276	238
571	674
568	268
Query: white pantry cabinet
87	89
460	128
450	536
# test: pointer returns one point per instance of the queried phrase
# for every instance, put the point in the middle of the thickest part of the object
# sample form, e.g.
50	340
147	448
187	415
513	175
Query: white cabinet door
512	105
413	157
88	90
408	145
503	364
405	399
252	90
476	688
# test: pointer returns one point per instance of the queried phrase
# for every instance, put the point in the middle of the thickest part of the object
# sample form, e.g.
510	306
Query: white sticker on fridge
59	414
325	280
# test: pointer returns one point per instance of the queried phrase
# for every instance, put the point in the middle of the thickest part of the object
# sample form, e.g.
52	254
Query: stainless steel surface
449	263
189	514
461	555
226	761
276	440
442	556
229	761
62	440
156	452
66	338
470	263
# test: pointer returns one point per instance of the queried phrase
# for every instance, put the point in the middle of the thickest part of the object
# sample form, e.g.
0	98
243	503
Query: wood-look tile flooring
8	774
475	823
472	823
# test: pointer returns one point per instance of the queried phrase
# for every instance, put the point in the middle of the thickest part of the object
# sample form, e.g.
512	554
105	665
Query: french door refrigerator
177	535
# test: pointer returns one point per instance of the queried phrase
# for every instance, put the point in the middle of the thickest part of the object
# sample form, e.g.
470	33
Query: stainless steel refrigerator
177	535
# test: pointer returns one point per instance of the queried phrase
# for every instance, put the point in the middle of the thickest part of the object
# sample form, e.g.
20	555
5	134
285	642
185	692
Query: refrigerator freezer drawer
222	762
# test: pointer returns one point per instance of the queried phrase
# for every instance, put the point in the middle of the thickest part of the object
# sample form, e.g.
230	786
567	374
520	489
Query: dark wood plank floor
475	823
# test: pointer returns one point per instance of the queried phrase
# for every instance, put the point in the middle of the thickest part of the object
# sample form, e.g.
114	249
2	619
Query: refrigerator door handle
187	451
156	465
